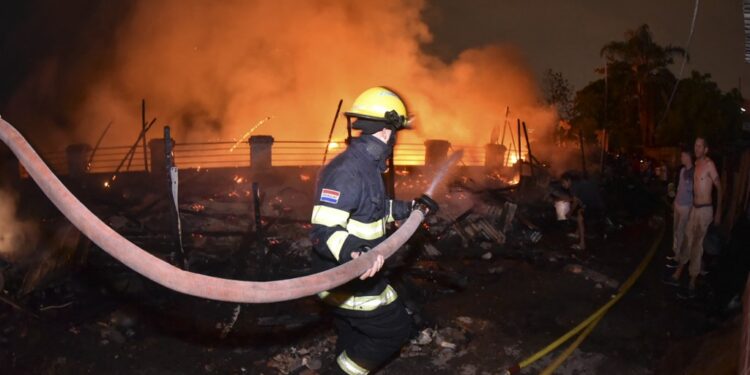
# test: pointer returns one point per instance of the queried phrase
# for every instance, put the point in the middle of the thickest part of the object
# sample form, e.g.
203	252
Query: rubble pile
306	357
442	344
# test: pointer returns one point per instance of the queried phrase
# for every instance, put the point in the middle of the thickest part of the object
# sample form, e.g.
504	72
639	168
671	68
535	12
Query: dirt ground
475	313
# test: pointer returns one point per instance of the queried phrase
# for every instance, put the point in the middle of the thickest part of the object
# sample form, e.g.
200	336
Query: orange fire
512	159
289	80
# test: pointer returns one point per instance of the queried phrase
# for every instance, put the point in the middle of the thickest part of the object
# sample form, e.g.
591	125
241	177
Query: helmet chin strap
391	141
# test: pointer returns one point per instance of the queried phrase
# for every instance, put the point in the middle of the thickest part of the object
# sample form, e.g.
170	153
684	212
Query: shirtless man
702	214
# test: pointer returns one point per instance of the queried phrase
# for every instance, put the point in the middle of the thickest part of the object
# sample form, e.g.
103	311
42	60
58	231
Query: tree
700	108
620	119
558	92
649	76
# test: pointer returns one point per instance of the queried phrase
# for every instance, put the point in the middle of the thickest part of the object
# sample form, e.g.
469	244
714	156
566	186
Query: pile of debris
481	226
306	358
442	344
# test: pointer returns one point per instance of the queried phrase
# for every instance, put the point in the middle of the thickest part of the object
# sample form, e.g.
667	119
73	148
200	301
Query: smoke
212	70
17	236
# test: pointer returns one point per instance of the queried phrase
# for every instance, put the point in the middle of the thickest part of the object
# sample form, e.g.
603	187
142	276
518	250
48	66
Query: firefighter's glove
427	205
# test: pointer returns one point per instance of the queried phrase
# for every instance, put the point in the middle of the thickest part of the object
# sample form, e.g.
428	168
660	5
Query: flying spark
247	133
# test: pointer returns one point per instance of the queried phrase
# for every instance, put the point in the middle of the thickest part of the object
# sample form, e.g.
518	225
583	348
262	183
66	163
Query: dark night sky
567	35
564	35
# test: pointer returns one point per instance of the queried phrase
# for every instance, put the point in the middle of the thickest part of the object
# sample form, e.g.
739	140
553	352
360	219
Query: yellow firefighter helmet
380	104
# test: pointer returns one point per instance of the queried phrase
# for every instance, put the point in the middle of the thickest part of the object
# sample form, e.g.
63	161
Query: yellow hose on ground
567	352
593	318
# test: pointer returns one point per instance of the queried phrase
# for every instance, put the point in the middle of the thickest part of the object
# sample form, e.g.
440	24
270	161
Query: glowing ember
106	184
512	159
333	146
197	207
238	179
304	177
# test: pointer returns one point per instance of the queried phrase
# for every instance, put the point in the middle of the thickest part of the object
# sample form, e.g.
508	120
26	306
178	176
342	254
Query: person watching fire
683	202
702	215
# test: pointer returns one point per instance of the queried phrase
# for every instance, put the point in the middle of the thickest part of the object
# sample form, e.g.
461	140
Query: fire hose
190	283
587	326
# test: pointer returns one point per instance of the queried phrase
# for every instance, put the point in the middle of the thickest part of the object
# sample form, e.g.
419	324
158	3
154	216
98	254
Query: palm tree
648	63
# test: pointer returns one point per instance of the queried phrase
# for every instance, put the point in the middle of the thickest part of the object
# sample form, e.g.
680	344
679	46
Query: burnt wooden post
172	191
260	238
256	209
330	133
143	131
518	150
530	156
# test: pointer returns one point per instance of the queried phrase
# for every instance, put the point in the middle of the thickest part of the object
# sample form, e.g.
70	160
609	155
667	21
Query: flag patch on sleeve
330	196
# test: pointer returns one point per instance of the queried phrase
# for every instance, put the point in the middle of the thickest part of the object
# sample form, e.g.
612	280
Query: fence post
172	191
261	151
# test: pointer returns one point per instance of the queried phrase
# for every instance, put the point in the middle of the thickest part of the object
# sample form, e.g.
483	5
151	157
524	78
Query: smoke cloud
16	236
212	70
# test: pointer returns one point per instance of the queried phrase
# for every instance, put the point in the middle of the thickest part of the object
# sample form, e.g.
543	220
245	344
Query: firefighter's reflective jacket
350	213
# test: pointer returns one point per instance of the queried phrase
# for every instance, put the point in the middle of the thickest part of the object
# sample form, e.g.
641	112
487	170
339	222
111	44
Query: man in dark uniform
349	218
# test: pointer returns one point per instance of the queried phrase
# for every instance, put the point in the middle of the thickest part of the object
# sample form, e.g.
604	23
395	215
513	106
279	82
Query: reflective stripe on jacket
351	210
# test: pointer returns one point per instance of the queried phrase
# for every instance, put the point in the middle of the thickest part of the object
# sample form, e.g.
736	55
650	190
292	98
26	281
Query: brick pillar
261	151
78	159
494	155
158	156
436	150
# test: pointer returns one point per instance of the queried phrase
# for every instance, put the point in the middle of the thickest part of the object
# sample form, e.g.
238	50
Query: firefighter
349	218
